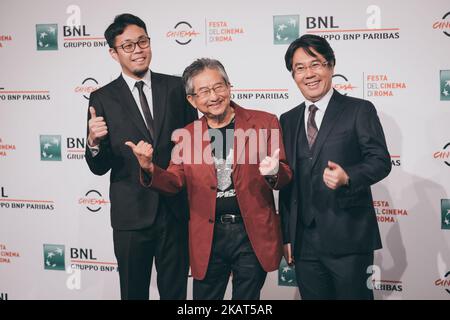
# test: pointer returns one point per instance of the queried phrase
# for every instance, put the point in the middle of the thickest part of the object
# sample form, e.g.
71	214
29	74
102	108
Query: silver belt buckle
232	216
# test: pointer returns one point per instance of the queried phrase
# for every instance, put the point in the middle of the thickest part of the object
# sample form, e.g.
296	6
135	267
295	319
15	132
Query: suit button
211	221
310	158
213	187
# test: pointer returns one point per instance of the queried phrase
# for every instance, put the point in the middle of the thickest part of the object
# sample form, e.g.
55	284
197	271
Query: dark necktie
145	108
311	131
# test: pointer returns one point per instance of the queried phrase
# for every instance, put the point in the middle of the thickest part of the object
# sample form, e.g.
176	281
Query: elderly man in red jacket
224	162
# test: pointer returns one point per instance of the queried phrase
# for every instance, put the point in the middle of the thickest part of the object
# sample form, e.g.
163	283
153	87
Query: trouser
167	242
232	253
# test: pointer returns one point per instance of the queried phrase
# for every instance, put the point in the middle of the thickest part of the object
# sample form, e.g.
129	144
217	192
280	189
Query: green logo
445	213
54	257
286	275
285	29
50	148
47	36
445	84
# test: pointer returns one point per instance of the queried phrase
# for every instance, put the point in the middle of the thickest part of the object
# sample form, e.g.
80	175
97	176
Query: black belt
229	218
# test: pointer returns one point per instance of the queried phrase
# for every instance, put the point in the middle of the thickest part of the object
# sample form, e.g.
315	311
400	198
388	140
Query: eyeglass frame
208	93
319	66
134	44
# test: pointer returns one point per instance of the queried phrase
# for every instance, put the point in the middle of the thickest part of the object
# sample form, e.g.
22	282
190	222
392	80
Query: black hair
118	26
308	42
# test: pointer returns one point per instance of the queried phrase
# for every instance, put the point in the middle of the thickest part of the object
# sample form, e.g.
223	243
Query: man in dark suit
336	147
140	104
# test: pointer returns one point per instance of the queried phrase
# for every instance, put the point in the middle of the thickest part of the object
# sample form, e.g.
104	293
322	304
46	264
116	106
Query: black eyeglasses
129	46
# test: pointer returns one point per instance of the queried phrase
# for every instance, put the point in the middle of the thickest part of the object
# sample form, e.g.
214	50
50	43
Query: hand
97	128
334	176
270	165
287	253
144	154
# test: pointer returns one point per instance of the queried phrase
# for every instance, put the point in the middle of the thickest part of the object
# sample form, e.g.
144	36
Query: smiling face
134	64
313	84
217	104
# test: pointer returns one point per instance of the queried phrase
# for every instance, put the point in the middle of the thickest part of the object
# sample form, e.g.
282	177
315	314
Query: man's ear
113	54
191	100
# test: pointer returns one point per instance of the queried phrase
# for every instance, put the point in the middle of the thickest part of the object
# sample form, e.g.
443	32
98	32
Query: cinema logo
328	27
13	95
183	33
443	24
444	282
222	31
76	34
443	155
93	200
6	148
24	204
7	256
88	86
380	85
247	94
341	84
4	39
386	213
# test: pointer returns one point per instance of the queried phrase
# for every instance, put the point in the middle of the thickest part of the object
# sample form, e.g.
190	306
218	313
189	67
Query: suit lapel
159	99
334	109
296	123
203	149
128	104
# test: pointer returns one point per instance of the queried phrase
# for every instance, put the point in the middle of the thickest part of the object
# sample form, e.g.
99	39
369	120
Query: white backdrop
54	214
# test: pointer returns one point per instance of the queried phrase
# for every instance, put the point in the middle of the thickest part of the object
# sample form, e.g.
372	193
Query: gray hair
198	66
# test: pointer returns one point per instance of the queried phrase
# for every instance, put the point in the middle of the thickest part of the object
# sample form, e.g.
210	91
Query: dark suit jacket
254	195
133	206
351	136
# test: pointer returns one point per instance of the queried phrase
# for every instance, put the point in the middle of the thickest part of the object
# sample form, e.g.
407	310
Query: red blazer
254	194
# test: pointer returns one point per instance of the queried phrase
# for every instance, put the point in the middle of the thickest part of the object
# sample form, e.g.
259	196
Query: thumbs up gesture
269	165
97	128
334	176
144	154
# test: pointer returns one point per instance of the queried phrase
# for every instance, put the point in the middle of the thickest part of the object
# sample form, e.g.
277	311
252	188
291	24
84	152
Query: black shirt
222	141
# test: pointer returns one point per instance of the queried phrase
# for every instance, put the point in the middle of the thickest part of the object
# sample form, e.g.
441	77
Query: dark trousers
324	276
166	241
231	253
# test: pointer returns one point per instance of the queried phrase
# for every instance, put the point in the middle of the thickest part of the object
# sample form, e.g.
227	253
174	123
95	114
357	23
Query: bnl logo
285	29
445	85
445	214
54	257
286	275
47	37
50	147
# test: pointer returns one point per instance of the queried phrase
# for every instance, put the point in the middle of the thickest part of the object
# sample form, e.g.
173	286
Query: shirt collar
132	82
322	103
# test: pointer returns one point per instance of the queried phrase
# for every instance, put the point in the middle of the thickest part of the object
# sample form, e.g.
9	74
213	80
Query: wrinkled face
215	102
313	84
134	64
